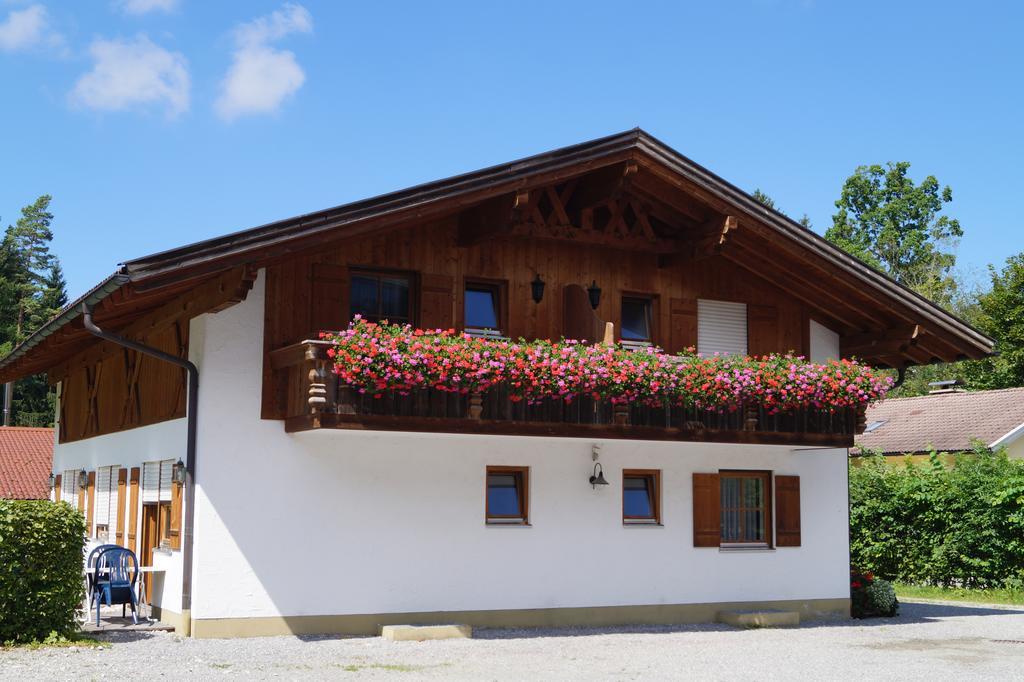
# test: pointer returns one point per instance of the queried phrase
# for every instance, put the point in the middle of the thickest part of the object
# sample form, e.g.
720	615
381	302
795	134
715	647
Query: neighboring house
948	421
26	457
305	508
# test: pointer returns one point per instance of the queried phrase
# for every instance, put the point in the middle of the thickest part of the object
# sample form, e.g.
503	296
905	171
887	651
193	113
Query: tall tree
1001	316
764	199
32	290
890	222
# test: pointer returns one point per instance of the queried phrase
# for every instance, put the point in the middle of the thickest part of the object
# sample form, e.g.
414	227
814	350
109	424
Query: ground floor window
641	496
745	507
507	495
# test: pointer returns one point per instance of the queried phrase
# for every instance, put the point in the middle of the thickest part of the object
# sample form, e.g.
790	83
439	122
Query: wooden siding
308	294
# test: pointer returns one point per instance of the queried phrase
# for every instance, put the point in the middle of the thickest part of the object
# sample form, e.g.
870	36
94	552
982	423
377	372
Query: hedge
929	524
40	569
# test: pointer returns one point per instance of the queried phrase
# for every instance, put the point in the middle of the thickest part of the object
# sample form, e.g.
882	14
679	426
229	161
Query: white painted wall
339	522
128	449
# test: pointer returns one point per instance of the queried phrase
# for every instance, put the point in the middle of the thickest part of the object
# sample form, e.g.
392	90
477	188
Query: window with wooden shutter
437	302
707	523
721	328
787	511
122	490
103	495
824	343
133	507
378	295
150	482
90	501
682	324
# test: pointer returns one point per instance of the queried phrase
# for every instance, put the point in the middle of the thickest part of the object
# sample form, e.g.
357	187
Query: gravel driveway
927	641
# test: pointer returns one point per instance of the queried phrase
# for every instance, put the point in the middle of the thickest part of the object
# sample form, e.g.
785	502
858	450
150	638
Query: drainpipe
190	454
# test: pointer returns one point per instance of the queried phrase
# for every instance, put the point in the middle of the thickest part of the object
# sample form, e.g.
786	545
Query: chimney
947	386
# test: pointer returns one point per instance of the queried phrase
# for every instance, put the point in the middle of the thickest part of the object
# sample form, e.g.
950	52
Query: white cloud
261	76
27	28
146	6
133	73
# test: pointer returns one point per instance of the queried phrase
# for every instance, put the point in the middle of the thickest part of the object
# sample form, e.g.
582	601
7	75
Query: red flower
855	584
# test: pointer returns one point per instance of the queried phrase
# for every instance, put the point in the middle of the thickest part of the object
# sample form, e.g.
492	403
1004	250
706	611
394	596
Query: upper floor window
507	494
721	327
745	507
482	308
380	296
641	496
636	318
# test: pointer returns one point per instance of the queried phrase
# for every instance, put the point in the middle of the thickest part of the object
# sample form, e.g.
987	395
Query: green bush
871	596
40	569
928	524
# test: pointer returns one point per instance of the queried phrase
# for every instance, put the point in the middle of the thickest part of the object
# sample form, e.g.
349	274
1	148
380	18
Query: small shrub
871	596
40	570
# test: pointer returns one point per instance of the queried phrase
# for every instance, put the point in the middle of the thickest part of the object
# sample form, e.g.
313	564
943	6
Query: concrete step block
422	633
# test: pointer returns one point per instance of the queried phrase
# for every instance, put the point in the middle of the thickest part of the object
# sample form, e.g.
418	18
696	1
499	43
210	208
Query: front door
150	541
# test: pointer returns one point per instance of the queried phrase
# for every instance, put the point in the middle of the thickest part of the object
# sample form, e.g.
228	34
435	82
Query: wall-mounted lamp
178	472
594	294
53	481
83	478
537	289
597	478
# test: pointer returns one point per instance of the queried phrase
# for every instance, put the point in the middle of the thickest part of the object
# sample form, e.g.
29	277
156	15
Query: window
507	495
636	319
106	502
156	490
381	296
482	309
69	487
641	496
721	328
746	509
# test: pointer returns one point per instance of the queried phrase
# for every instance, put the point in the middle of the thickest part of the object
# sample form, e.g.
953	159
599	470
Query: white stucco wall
338	522
128	449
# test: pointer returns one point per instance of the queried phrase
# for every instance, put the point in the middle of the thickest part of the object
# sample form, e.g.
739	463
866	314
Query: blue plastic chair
117	571
90	578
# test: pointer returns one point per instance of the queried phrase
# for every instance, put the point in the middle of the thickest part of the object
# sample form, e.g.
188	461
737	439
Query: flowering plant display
871	596
376	357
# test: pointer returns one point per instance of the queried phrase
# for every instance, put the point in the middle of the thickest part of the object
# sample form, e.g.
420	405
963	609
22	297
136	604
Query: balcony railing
316	400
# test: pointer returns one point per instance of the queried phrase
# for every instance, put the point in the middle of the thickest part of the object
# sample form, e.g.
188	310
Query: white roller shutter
721	327
166	472
103	476
151	481
69	487
824	343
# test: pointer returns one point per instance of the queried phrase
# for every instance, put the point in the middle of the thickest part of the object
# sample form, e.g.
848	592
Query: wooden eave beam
600	187
492	218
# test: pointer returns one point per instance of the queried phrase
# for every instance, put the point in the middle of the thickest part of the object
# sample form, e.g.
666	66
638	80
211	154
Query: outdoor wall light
53	481
537	288
83	478
594	294
597	478
178	473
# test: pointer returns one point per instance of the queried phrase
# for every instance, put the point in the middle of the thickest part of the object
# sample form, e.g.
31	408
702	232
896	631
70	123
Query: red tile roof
946	421
26	458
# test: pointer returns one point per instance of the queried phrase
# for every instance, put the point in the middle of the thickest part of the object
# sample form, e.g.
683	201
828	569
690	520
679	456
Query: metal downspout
190	454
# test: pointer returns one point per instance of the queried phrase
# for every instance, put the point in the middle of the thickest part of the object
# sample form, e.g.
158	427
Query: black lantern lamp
594	294
83	478
537	288
597	478
178	472
53	481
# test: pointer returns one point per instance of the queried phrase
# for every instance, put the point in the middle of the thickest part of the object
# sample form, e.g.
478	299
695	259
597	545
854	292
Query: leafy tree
895	225
32	290
1001	316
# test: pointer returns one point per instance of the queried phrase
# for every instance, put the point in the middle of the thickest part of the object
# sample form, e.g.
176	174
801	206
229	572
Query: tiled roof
26	456
945	421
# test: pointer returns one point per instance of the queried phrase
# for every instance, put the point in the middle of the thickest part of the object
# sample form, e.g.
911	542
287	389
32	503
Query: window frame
522	478
369	271
499	287
650	300
653	477
767	478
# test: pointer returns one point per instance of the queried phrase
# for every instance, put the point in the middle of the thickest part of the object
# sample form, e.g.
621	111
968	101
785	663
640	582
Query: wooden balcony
313	399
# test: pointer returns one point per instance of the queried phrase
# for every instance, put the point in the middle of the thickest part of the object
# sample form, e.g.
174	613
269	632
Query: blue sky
155	123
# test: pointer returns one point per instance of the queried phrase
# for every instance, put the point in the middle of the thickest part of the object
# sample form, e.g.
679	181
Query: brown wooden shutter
329	298
682	324
787	511
133	509
91	494
762	330
437	302
81	498
707	511
56	488
174	533
122	489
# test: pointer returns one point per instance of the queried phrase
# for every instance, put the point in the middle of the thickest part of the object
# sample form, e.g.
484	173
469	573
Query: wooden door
150	540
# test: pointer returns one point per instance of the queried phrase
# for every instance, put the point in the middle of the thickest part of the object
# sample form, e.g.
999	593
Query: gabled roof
948	422
26	456
142	284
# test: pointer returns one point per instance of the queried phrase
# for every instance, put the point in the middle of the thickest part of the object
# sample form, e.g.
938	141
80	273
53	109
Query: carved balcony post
749	418
476	405
861	420
620	414
321	384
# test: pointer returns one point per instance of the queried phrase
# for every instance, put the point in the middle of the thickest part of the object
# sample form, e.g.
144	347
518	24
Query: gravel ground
927	641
